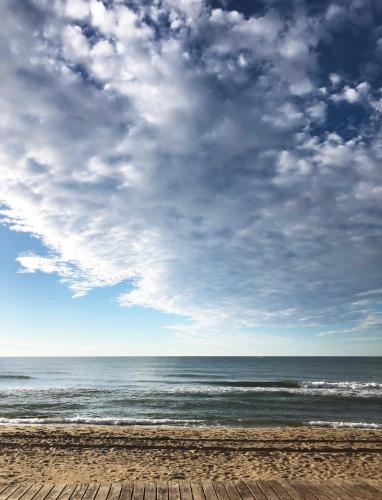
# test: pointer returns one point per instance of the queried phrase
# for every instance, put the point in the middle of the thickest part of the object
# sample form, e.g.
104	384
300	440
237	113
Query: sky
191	177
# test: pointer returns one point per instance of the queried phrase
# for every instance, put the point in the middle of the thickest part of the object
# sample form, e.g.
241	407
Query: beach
112	419
71	453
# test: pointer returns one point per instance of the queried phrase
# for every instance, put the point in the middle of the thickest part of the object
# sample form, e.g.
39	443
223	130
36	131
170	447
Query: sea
193	391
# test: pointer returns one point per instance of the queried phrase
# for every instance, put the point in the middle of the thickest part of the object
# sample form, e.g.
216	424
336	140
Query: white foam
323	384
100	421
308	388
337	389
350	425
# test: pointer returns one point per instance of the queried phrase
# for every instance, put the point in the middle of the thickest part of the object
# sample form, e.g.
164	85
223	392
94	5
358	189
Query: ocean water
193	391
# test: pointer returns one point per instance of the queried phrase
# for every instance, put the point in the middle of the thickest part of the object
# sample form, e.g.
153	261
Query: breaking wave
323	384
101	421
346	425
292	387
169	422
253	383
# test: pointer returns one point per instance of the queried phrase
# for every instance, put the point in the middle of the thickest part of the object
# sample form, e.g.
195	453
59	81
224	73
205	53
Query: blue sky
191	177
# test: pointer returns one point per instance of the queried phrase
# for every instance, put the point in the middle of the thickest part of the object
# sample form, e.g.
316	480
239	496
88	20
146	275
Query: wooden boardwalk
196	490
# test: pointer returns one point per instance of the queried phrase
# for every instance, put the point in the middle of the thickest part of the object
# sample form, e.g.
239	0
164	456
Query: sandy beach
61	453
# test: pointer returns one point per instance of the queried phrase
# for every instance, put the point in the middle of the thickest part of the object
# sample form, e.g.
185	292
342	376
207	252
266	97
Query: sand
87	453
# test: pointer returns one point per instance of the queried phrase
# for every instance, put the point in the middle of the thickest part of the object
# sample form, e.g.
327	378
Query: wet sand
60	453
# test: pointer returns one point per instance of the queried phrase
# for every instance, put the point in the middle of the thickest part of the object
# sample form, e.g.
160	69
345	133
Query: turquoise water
199	391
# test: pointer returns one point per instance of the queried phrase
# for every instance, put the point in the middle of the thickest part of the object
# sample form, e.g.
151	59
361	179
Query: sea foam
349	425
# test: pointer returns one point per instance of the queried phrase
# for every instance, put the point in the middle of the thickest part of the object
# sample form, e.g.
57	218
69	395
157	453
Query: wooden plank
127	491
267	490
162	490
280	491
254	488
103	491
293	493
67	491
366	489
43	492
115	491
185	490
36	487
354	490
138	491
315	490
231	490
9	490
173	491
4	486
346	488
206	490
197	491
150	490
91	492
79	492
303	492
331	490
243	490
55	492
220	490
16	495
209	490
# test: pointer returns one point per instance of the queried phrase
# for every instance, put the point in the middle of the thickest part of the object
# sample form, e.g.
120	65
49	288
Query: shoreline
71	453
182	424
359	426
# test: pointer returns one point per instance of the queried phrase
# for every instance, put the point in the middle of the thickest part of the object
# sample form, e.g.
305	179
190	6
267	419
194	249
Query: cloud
189	153
371	323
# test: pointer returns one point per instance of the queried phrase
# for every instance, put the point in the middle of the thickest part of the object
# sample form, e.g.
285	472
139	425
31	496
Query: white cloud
179	156
371	323
334	78
301	88
363	88
75	45
78	9
102	18
350	95
334	11
294	49
318	111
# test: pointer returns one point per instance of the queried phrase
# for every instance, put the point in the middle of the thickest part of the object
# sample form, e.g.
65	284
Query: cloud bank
225	165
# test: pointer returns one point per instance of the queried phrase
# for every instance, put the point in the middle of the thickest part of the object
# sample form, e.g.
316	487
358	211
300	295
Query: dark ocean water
198	391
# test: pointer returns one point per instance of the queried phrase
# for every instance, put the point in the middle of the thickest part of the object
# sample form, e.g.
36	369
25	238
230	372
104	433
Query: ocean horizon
208	391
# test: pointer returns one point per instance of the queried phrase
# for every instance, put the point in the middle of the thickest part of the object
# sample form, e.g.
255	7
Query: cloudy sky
191	177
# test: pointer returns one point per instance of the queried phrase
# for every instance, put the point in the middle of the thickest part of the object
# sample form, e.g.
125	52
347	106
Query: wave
200	375
175	422
264	391
323	384
203	388
101	421
55	391
15	377
288	384
230	388
292	387
347	425
294	384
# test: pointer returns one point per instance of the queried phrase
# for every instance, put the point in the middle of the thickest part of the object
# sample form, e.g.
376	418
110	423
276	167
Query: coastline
178	423
71	453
